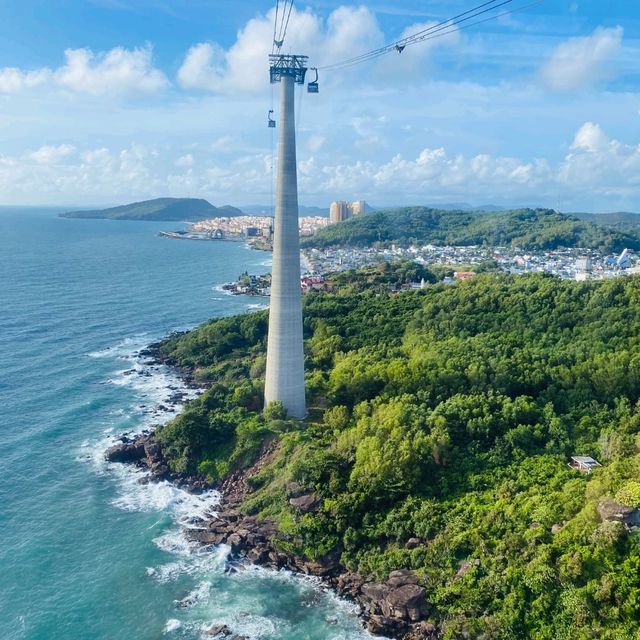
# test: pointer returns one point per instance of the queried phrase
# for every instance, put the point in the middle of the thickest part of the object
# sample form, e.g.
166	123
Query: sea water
87	551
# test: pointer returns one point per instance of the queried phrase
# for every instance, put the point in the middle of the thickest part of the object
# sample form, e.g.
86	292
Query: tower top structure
287	65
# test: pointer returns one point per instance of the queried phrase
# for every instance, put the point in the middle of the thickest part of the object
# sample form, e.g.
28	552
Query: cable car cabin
271	123
312	87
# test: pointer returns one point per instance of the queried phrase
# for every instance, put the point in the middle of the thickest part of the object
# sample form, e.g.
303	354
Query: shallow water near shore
87	550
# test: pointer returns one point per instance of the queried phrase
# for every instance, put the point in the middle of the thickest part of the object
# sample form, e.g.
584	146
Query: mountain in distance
160	209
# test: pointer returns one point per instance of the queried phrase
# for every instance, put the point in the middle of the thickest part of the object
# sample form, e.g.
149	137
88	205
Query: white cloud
597	168
185	161
347	32
49	154
115	72
201	68
601	165
584	61
14	80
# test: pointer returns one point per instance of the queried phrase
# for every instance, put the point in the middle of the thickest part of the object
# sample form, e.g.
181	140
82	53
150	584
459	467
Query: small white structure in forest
584	463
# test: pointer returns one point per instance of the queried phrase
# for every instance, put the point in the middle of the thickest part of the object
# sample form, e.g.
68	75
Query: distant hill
525	228
620	219
160	209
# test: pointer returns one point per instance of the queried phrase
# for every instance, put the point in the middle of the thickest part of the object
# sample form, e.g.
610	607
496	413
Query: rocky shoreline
396	608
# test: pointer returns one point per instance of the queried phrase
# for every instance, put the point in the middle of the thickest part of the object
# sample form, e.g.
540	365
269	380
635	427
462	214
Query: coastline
395	608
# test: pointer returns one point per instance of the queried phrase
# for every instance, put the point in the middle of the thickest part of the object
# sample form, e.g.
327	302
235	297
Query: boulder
126	452
204	537
152	450
413	543
406	602
295	489
305	504
402	577
465	567
612	511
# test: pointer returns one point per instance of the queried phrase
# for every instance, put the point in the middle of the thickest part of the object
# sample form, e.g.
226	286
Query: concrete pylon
285	356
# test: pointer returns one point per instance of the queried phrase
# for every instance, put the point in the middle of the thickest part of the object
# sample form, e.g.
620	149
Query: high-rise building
341	210
358	208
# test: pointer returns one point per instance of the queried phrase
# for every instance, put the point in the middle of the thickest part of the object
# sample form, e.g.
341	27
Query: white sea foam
205	604
172	625
124	348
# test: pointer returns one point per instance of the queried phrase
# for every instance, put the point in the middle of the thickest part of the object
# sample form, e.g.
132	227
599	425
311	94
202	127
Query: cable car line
428	34
445	24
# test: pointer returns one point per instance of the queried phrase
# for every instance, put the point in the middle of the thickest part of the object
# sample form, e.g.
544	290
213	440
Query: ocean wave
124	348
215	593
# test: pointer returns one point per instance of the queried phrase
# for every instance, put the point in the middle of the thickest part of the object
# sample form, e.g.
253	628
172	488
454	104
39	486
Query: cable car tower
284	379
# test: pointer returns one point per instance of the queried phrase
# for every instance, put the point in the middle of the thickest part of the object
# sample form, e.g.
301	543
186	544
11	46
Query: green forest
446	416
531	229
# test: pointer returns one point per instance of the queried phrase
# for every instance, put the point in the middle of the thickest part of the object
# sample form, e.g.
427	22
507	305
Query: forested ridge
446	417
530	229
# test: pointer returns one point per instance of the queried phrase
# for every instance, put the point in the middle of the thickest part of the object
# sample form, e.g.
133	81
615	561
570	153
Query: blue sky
107	101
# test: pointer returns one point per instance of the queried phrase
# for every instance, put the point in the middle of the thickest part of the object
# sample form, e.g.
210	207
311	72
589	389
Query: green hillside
440	428
622	220
525	228
160	209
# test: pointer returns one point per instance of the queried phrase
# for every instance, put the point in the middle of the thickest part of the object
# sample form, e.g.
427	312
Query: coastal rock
405	602
323	566
401	578
399	599
422	631
126	452
219	631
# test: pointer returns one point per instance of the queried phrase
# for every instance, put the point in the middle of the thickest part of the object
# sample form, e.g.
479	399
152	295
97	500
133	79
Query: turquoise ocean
86	550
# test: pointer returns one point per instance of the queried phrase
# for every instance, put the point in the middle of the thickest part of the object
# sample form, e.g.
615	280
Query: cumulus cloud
49	154
597	167
347	32
115	72
13	80
202	67
585	61
601	164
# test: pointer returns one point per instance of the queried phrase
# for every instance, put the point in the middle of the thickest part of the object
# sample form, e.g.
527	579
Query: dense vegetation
168	209
448	414
621	220
524	228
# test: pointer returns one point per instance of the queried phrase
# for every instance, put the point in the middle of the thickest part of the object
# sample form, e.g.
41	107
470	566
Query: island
159	209
469	465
